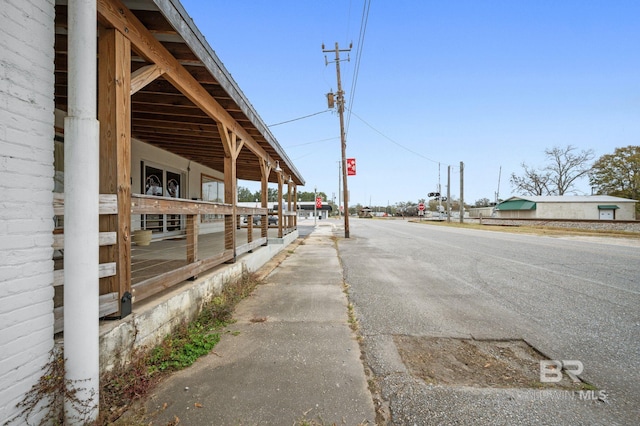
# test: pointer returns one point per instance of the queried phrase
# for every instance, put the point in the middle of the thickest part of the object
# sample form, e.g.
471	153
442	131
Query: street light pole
315	204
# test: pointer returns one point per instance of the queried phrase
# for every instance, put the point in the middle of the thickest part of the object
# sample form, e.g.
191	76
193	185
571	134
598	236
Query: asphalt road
570	299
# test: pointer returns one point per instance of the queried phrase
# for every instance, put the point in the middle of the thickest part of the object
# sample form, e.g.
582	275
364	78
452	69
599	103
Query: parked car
273	220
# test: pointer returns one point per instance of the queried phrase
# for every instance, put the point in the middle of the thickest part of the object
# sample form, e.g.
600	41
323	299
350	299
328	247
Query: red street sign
421	206
319	202
351	166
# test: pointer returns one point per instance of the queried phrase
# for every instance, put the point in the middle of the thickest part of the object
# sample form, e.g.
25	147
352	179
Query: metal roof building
595	207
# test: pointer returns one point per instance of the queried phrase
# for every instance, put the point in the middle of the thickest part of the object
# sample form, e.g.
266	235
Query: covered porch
176	134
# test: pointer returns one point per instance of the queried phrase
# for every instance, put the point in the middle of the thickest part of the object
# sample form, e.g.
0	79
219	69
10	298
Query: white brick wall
26	182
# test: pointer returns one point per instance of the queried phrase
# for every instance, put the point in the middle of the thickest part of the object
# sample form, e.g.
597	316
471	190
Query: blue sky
489	83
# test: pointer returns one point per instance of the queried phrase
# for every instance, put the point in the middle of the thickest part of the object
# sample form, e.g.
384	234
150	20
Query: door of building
607	214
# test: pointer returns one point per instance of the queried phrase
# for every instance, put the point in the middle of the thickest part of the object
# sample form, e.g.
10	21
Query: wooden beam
104	239
151	286
104	270
192	237
114	114
151	204
280	210
109	304
143	76
115	13
108	204
265	171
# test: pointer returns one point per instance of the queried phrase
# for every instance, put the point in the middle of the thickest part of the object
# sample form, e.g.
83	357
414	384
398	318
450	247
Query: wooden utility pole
343	139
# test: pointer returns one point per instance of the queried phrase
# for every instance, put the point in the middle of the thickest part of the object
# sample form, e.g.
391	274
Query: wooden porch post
280	212
114	114
232	148
295	206
265	167
289	218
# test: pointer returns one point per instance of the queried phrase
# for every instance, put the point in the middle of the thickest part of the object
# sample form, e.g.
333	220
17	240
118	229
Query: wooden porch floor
171	253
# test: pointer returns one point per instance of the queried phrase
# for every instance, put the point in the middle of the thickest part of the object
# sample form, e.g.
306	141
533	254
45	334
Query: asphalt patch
476	363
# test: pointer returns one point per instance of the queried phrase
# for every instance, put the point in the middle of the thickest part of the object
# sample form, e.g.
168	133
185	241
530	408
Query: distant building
306	209
595	207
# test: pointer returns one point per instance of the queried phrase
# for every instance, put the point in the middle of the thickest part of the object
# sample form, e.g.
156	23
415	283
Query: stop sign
421	206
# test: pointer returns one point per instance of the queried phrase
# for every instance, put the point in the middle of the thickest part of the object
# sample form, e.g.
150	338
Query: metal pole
315	205
448	193
461	192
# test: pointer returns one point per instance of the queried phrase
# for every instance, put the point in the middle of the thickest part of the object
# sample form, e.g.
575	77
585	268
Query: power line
359	49
299	118
310	143
393	141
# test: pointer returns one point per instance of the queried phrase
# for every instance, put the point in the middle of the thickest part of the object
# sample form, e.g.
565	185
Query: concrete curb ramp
290	356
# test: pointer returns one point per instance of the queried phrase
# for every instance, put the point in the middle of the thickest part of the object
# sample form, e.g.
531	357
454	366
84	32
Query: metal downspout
81	149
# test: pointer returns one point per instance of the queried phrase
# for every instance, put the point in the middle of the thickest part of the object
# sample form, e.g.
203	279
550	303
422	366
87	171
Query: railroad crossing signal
433	194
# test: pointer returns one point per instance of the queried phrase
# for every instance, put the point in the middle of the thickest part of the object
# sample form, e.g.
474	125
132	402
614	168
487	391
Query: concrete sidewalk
301	363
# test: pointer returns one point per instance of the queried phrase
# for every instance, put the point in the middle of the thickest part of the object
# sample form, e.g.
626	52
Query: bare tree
532	182
565	166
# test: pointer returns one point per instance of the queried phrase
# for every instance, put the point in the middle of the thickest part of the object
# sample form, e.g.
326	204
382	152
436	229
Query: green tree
310	196
618	174
245	195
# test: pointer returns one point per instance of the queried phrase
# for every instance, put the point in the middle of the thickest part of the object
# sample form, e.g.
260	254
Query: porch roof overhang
161	114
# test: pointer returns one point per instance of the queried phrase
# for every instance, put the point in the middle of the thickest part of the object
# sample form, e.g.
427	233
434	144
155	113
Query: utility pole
440	195
461	192
448	193
343	139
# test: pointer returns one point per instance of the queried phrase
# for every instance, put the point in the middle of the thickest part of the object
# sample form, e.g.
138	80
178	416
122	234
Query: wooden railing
193	261
109	302
192	209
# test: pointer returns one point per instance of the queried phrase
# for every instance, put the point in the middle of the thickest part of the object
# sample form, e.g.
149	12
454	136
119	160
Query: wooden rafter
143	76
115	13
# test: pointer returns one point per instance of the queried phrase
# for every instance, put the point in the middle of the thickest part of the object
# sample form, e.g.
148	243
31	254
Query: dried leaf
197	405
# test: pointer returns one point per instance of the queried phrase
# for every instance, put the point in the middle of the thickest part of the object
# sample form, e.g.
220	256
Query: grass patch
178	350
